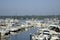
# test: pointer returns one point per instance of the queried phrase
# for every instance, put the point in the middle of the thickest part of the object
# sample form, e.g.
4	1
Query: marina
31	29
29	19
47	34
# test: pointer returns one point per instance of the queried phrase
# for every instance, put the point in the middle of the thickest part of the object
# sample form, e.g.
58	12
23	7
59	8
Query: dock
10	26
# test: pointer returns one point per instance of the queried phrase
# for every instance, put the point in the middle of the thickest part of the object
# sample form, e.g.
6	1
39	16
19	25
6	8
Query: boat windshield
45	31
56	29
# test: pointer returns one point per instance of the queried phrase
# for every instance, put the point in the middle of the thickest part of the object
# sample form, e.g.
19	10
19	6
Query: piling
0	35
30	36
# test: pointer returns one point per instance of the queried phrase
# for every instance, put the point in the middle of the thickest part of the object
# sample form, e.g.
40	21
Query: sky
29	7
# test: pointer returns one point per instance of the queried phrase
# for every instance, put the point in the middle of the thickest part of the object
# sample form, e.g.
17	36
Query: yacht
52	32
4	32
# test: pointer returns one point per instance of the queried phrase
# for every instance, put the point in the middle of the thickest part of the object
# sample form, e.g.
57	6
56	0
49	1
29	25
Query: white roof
53	25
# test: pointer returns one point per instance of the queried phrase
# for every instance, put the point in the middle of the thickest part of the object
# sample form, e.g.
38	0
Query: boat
49	33
4	32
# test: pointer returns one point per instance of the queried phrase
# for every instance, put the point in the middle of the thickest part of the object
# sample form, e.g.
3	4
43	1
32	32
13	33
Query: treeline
29	17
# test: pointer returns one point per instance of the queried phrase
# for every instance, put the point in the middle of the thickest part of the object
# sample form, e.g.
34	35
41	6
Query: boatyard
48	29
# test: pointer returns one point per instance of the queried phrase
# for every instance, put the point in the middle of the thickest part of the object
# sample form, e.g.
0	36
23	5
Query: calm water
23	35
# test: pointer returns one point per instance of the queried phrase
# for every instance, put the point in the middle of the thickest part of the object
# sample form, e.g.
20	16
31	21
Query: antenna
16	15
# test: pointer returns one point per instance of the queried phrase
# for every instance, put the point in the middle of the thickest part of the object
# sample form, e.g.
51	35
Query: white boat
4	32
55	37
47	33
55	29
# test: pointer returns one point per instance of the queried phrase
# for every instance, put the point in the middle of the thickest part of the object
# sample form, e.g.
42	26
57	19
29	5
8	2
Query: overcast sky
29	7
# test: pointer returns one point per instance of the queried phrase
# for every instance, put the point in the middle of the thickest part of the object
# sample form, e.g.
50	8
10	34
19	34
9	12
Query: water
23	35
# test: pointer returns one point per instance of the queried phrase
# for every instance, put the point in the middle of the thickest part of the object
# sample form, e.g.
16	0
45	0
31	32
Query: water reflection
21	35
6	38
